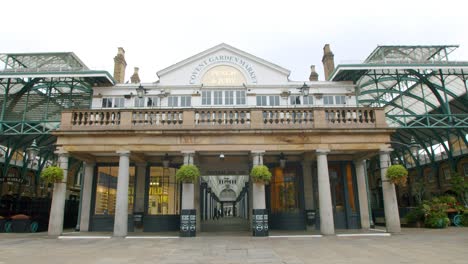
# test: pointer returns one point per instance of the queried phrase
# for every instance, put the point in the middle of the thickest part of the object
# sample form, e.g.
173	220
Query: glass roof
418	87
43	61
410	54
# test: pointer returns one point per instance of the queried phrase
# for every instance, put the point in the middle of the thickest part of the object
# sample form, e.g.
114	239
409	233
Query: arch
227	195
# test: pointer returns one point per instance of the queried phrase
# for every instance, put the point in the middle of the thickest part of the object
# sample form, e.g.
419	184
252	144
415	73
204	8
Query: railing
350	117
199	119
288	117
225	117
164	118
94	118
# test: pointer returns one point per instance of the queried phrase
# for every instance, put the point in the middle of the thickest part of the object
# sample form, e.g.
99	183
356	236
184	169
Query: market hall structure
327	143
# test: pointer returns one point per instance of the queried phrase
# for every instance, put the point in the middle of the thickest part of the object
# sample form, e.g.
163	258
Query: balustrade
216	117
157	117
353	117
255	118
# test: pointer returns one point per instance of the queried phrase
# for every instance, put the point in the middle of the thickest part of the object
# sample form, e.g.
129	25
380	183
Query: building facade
225	111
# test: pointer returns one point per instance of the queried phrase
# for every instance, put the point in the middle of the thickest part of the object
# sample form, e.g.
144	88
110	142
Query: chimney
328	61
119	66
135	77
313	74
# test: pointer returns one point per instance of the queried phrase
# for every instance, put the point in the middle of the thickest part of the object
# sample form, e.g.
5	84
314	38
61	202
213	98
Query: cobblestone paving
412	246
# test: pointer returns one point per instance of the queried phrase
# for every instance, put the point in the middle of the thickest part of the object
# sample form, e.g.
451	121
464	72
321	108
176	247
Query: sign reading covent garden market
229	75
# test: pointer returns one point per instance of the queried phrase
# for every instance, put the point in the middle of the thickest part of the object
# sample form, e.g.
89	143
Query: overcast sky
288	33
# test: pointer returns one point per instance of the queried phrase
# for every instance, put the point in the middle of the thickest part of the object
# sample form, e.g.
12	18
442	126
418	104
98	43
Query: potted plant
260	174
397	174
188	173
52	174
415	217
435	212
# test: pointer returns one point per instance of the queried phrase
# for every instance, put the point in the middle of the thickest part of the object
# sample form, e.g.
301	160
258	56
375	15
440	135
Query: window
206	97
112	102
274	100
218	97
447	173
152	101
106	102
173	101
308	100
328	100
240	97
106	190
185	101
229	97
340	99
284	190
295	100
139	102
261	100
465	169
163	192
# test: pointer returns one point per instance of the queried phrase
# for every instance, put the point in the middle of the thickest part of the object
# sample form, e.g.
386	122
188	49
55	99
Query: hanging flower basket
260	174
52	174
397	174
188	173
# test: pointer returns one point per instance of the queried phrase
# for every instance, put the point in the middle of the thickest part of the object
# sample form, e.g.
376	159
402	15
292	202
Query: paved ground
412	246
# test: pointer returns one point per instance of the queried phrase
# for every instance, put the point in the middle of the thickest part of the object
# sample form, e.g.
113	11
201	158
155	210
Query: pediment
231	65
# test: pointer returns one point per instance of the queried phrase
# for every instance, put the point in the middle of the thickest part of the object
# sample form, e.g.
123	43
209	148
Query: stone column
86	195
140	187
258	189
362	193
327	225
208	203
121	205
188	190
58	199
392	216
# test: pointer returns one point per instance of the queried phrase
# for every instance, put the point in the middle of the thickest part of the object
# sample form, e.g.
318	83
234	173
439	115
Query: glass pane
106	190
284	191
164	192
349	181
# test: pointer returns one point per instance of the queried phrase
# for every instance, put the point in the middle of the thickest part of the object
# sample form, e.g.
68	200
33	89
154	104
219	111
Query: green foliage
435	212
464	220
52	174
415	215
437	220
260	173
397	174
187	173
460	187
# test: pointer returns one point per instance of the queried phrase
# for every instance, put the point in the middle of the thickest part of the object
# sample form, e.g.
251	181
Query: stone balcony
223	119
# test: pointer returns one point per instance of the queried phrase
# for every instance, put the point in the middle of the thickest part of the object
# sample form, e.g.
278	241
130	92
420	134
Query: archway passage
224	204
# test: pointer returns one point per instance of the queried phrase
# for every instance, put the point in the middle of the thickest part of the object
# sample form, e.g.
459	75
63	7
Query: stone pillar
86	196
58	199
392	216
208	199
307	180
327	225
121	205
140	187
362	193
258	189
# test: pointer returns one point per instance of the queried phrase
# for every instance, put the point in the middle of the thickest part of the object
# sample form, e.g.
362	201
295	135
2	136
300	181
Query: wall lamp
304	89
282	160
166	161
141	91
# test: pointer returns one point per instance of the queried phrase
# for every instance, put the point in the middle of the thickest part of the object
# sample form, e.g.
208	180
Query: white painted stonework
245	72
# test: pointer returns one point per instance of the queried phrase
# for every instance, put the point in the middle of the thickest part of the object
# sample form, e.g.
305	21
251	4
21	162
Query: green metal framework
34	90
424	95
